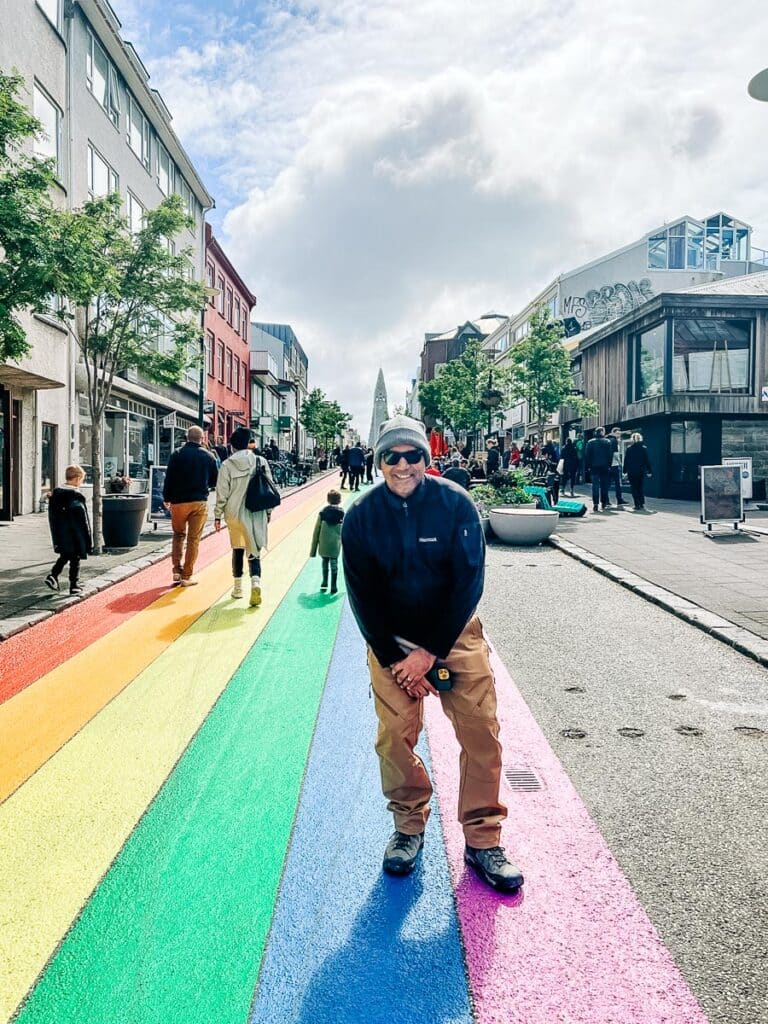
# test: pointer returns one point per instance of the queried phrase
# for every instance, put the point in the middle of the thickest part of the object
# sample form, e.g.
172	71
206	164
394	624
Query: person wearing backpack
247	530
326	539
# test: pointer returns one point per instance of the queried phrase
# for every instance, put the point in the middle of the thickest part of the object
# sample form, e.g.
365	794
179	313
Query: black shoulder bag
262	494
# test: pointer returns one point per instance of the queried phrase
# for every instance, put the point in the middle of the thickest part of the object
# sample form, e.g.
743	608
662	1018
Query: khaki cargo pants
471	707
188	519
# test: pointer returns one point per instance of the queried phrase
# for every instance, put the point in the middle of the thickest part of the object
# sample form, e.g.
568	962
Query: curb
742	640
15	624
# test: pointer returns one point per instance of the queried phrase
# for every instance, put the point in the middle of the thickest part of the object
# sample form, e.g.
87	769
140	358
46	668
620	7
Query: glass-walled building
689	371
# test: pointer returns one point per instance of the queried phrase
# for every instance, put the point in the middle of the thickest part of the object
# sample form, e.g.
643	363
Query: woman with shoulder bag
247	530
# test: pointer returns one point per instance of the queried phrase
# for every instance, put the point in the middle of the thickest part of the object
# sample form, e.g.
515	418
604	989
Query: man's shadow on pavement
391	968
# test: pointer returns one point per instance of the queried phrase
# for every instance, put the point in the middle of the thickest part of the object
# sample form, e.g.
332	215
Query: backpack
261	494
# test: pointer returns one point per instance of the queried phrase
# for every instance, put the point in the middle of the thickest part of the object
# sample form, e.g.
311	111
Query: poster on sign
721	495
745	466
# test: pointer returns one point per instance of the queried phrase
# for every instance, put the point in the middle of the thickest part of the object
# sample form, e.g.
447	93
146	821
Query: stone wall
747	438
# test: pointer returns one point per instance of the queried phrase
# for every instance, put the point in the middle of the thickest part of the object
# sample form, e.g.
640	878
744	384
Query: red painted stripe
577	946
29	655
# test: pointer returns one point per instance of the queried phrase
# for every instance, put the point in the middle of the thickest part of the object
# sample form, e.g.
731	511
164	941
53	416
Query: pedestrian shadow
318	600
393	966
137	600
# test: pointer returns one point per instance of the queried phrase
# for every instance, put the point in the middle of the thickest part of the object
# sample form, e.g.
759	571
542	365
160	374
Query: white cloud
387	169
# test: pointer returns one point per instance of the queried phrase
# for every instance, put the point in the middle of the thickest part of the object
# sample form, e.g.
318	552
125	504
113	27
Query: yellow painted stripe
60	832
41	718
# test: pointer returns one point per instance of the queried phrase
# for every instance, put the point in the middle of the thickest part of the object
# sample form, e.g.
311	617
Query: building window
236	376
220	361
185	192
228	312
165	169
694	245
649	362
209	279
102	179
237	316
51	10
209	346
220	296
229	369
135	214
49	116
138	133
101	78
684	451
48	457
245	323
711	355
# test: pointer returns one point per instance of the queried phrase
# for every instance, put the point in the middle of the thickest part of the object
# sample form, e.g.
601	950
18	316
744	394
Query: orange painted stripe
42	718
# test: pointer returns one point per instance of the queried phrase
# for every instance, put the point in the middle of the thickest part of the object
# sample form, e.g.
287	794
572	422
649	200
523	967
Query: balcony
263	364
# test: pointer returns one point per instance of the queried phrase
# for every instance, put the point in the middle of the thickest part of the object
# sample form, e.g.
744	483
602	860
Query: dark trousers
344	474
238	558
74	567
569	476
600	481
333	564
369	474
637	484
616	481
355	475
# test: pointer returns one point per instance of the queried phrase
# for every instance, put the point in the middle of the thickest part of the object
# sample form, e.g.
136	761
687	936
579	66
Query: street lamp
490	399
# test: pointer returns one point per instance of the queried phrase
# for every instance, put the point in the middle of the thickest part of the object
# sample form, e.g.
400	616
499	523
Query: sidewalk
726	575
26	556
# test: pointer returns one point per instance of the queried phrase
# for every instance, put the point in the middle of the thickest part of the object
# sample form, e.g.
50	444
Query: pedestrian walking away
247	530
570	460
191	475
326	539
344	467
70	529
615	440
637	466
457	474
414	562
369	466
356	465
598	456
493	458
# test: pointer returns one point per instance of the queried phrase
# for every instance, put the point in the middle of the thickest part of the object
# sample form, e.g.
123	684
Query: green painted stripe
176	930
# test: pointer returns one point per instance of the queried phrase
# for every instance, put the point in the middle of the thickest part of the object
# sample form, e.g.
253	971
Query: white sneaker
176	579
189	583
255	593
237	587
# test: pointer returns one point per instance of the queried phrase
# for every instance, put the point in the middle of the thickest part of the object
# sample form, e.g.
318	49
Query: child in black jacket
70	529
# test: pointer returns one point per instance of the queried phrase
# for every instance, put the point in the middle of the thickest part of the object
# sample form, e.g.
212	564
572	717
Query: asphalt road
683	805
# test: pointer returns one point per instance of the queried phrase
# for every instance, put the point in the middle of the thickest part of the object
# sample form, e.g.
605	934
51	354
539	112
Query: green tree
28	220
323	419
541	371
133	304
458	396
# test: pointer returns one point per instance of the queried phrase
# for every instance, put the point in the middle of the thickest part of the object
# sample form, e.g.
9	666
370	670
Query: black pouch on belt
440	677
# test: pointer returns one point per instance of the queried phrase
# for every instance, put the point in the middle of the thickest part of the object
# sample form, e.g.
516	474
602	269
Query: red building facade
227	359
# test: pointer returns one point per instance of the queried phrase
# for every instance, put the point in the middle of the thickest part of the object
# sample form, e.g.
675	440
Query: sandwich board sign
722	497
745	465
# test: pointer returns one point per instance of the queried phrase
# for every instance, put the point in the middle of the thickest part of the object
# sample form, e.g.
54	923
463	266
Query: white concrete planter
515	525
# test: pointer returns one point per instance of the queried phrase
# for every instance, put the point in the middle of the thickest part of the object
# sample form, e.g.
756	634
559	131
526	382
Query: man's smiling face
404	478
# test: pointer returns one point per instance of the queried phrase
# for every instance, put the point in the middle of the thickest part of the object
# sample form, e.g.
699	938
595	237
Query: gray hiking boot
401	853
494	868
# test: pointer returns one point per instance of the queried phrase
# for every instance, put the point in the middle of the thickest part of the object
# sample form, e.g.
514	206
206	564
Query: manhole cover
689	730
524	780
575	689
573	734
631	733
748	730
677	696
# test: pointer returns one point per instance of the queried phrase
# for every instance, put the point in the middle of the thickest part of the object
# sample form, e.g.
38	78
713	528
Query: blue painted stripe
349	944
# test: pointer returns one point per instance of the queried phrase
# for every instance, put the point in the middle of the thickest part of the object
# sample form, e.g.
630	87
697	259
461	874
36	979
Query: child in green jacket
326	539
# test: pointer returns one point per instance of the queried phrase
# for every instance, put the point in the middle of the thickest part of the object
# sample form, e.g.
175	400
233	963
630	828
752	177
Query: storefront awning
16	377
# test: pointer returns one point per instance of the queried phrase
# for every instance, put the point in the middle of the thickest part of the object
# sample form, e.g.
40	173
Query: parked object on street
522	525
123	516
563	506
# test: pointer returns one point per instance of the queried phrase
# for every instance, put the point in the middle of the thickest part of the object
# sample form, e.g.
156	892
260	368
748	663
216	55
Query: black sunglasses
412	457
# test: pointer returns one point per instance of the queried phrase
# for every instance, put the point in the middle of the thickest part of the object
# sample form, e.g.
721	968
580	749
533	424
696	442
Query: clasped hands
408	674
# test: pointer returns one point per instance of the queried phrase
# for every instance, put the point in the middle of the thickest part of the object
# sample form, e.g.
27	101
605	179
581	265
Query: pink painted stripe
577	947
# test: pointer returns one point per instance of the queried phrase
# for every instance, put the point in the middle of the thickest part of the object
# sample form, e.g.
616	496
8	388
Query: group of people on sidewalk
604	463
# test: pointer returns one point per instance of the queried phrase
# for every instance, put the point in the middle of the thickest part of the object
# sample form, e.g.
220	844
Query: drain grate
523	780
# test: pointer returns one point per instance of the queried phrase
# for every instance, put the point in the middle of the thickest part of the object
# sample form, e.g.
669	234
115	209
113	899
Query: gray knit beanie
401	430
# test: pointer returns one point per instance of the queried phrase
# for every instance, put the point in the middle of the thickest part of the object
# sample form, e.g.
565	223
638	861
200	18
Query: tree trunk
96	464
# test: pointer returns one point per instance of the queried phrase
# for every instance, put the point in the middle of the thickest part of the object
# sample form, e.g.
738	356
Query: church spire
380	411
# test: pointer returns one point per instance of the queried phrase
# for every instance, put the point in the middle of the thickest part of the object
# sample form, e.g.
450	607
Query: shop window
48	457
650	350
141	436
711	355
684	451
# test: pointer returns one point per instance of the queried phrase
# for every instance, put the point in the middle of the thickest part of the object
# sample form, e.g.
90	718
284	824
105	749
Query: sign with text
745	465
721	495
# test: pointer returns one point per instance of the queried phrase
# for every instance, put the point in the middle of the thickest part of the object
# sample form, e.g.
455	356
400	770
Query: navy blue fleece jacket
414	568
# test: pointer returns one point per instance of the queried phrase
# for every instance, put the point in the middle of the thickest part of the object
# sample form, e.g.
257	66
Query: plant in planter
117	485
505	487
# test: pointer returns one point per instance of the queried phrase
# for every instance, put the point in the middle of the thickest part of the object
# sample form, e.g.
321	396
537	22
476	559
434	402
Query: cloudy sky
384	168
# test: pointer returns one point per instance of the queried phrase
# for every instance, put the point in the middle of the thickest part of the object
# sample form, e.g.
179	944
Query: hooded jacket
414	567
69	523
230	498
326	539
